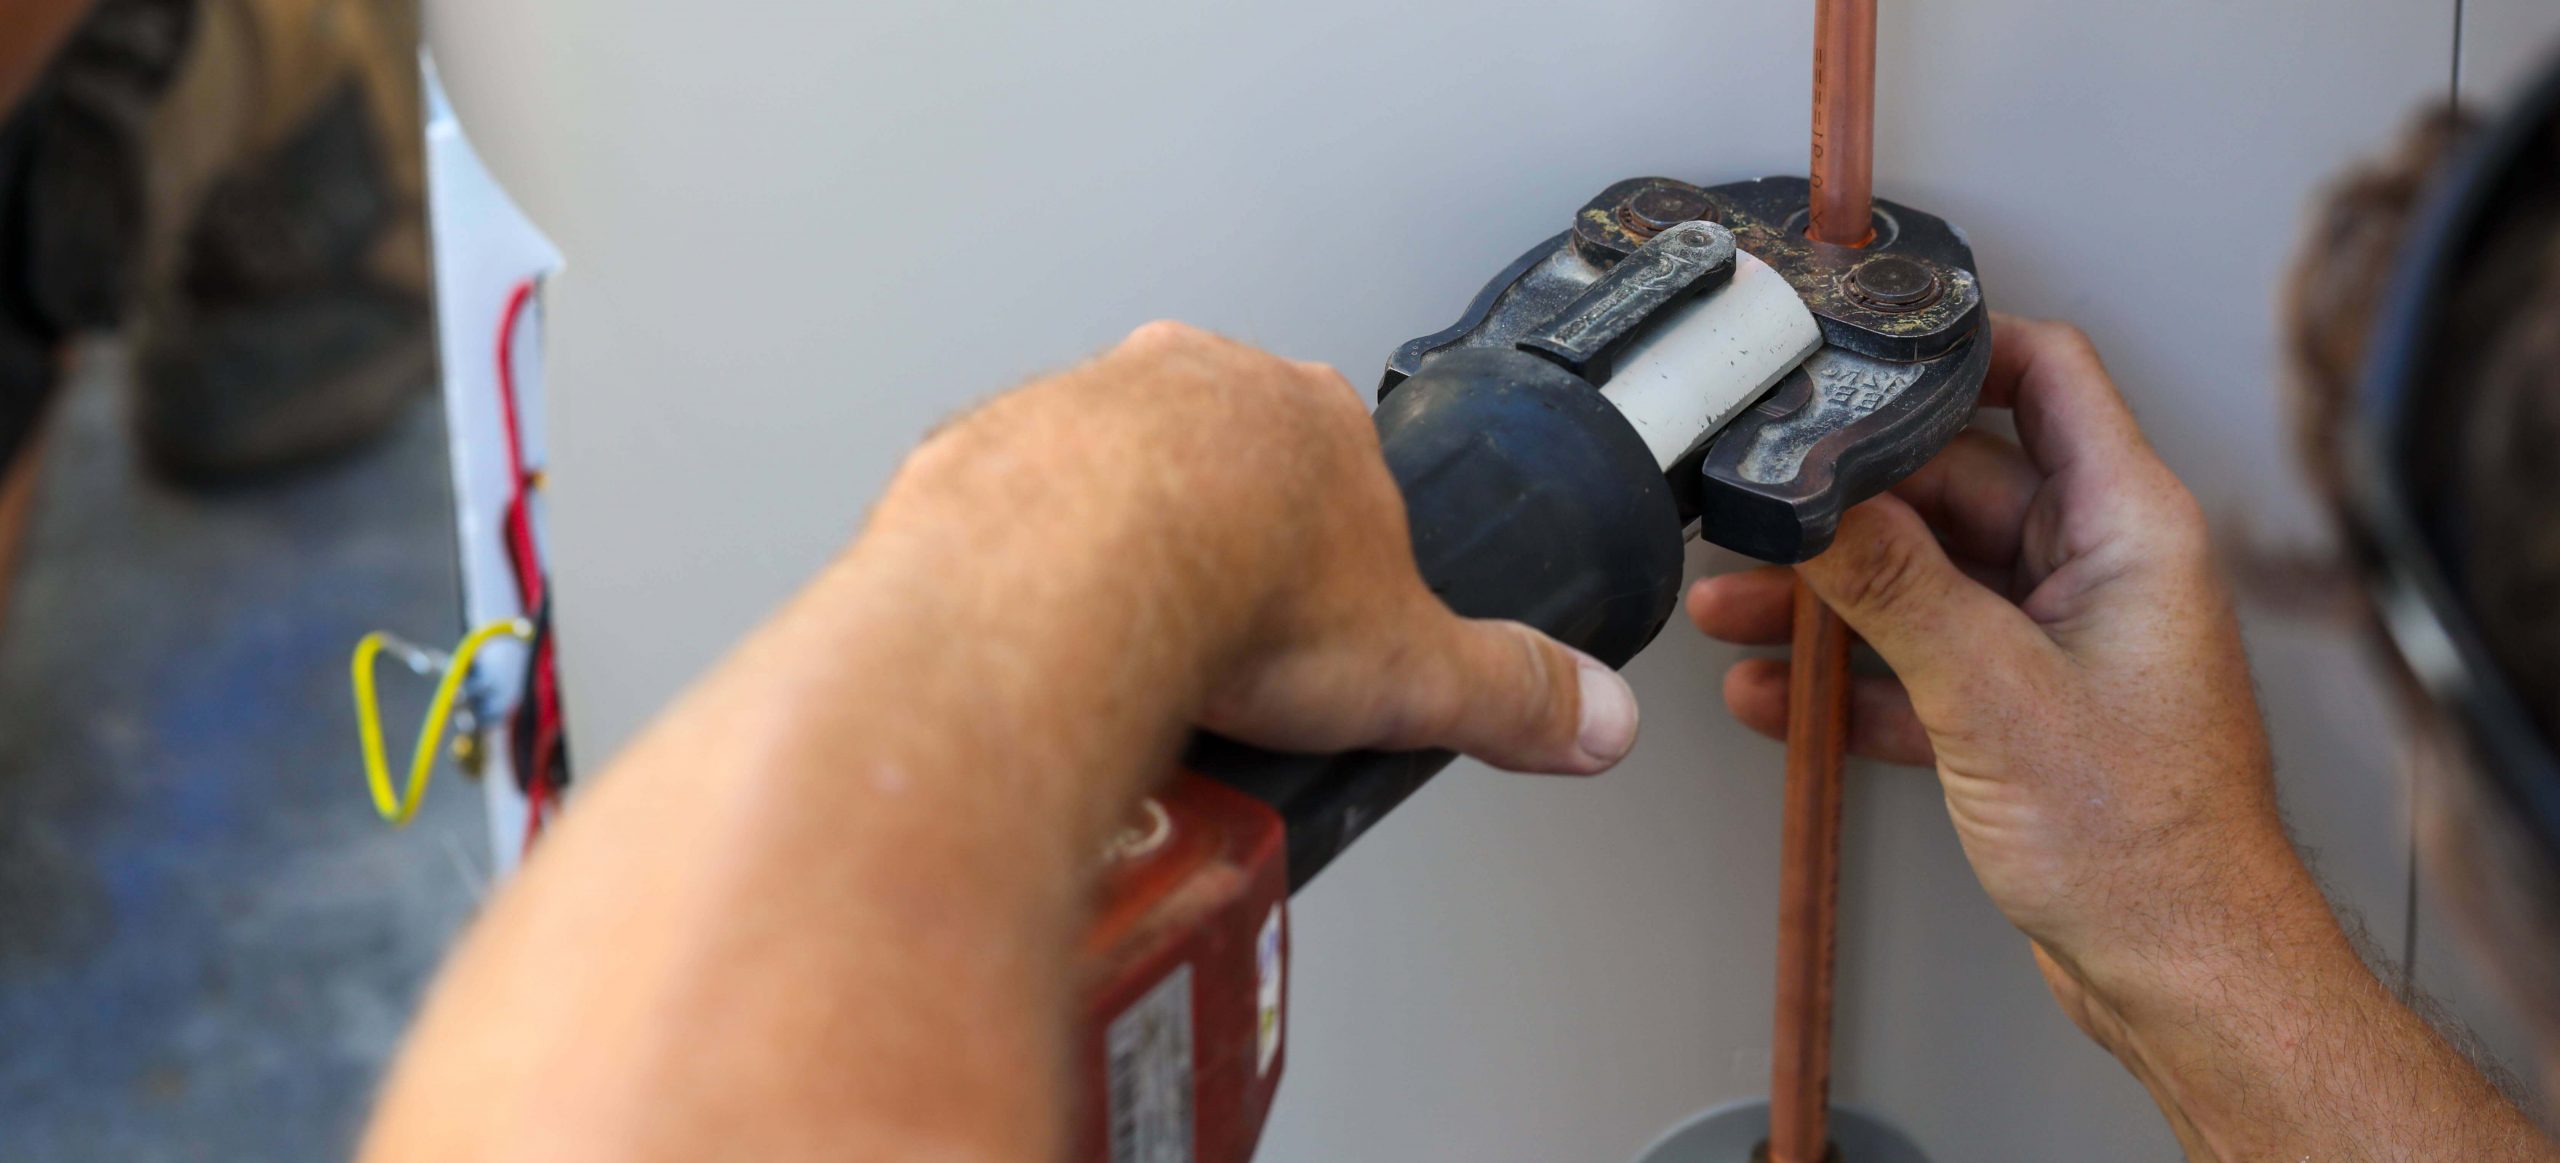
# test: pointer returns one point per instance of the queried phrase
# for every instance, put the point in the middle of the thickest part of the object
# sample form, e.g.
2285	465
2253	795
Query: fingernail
1608	712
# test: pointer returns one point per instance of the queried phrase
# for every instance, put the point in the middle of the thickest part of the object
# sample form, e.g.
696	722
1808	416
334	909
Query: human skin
2065	654
824	908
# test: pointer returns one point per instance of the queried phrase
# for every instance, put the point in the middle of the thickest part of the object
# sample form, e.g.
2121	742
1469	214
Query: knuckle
1164	335
2172	520
1433	705
1498	694
1165	331
2059	336
1324	375
1544	705
1886	575
2182	513
2067	339
1328	384
1535	713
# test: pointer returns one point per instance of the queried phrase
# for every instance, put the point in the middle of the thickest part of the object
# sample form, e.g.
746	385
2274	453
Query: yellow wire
377	769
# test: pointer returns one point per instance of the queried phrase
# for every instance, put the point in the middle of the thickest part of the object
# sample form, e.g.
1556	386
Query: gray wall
800	232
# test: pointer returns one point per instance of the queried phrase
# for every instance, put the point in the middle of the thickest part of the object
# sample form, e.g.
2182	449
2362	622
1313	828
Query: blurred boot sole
280	385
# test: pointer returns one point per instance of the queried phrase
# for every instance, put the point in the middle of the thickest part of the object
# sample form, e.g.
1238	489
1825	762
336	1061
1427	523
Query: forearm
826	907
2281	1044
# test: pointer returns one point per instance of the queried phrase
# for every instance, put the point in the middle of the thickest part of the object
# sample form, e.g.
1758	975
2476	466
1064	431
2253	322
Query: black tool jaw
1835	432
1532	498
1906	343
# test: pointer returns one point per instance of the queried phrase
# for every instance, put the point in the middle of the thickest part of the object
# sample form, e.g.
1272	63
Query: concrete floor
208	942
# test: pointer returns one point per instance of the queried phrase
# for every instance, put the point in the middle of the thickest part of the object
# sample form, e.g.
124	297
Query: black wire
527	719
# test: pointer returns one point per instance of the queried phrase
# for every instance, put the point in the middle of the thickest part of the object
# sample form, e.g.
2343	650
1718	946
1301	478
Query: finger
1882	724
1330	378
1754	607
2068	408
2008	360
1522	701
1975	494
1947	636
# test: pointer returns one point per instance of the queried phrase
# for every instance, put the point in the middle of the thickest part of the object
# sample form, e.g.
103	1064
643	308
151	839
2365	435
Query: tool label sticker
1267	967
1147	1071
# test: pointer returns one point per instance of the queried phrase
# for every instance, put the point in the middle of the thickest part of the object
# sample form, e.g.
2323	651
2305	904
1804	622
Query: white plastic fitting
1710	358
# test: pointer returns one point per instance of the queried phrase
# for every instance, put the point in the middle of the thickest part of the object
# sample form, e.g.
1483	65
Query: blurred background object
283	308
214	330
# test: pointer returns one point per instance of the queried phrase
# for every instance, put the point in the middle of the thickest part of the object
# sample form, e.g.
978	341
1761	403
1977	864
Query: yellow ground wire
422	762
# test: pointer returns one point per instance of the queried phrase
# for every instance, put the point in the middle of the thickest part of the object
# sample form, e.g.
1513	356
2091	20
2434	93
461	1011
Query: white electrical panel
490	262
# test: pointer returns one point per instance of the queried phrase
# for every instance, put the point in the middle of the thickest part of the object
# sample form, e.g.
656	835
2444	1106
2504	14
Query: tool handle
1530	498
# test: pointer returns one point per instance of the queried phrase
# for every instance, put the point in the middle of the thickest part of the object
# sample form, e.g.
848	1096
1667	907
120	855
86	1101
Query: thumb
1944	634
1522	701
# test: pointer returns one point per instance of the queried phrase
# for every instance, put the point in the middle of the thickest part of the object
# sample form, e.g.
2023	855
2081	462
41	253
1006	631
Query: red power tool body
1185	980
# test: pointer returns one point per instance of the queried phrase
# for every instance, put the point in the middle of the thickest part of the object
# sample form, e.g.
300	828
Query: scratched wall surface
800	232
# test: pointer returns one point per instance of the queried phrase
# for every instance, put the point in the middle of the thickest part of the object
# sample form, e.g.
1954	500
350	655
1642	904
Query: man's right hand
2068	659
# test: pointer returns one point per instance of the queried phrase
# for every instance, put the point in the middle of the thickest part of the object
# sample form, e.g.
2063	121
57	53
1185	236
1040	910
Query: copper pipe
1844	122
1843	214
1809	883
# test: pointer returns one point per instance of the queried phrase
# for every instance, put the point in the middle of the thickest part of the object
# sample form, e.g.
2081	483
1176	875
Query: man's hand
1244	494
2067	657
2064	653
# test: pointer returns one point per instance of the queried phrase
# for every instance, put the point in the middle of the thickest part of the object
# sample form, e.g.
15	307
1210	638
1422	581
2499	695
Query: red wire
534	797
524	556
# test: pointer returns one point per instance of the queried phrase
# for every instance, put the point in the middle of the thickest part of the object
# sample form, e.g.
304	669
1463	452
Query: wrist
2251	912
2220	977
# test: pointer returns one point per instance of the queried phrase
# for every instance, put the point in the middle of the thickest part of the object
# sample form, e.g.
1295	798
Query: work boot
73	160
89	122
284	314
29	341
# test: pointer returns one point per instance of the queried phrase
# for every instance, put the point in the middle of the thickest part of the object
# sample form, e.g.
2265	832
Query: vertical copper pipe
1844	122
1809	883
1842	213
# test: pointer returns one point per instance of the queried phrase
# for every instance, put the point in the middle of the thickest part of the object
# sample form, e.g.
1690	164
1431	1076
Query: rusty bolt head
1654	209
1894	283
1695	238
